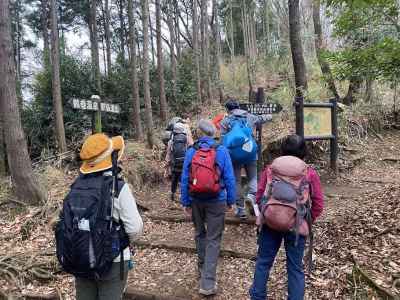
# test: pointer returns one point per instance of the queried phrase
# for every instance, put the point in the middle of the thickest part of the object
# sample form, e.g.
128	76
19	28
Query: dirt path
173	271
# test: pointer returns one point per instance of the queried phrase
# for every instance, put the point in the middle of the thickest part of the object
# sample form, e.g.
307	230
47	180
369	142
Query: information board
317	121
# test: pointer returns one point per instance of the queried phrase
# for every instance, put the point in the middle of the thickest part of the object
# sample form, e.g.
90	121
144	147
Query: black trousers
175	179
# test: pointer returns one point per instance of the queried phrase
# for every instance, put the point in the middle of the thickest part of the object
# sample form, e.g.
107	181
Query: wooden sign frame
332	137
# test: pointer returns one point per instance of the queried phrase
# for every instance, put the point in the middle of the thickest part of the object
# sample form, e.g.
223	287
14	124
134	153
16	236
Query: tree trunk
354	88
55	79
369	91
3	155
160	65
207	53
107	36
18	42
248	47
25	184
45	34
204	70
153	50
122	29
94	47
146	76
232	42
196	52
136	120
325	69
217	51
299	66
176	12
172	44
266	27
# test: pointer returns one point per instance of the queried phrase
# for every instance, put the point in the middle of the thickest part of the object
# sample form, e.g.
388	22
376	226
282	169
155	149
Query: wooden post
299	106
260	98
334	140
97	115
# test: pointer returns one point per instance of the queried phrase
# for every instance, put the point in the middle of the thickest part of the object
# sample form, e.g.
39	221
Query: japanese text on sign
261	108
93	105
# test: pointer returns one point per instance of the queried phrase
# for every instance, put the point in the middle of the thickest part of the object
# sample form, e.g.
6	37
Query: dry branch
387	230
188	249
182	219
132	294
393	159
37	296
381	181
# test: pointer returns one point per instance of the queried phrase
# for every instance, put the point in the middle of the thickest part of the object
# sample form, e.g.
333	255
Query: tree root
17	268
362	275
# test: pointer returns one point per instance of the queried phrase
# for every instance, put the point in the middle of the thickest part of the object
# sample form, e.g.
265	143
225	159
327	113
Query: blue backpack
240	141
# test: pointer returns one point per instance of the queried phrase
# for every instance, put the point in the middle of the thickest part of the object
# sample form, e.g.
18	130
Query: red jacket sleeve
317	196
262	183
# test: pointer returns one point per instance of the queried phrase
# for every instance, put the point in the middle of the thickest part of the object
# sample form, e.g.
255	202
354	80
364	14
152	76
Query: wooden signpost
96	106
318	121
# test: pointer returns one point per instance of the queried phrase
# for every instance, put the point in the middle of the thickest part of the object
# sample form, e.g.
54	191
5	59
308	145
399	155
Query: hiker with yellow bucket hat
98	222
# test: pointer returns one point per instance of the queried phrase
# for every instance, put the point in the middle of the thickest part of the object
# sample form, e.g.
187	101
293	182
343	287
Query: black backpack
87	237
179	147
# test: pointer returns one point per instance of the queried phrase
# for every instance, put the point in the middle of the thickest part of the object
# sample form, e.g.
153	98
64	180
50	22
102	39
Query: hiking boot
240	213
249	204
209	292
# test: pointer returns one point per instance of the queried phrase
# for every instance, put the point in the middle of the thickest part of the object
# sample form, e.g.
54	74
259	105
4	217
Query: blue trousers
269	244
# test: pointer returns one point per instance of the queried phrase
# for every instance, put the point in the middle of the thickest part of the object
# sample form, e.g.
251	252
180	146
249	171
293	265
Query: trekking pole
114	193
114	188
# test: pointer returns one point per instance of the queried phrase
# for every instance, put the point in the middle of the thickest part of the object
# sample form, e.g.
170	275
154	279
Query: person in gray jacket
234	112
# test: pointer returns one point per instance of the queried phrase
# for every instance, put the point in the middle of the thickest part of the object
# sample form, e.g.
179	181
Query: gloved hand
267	117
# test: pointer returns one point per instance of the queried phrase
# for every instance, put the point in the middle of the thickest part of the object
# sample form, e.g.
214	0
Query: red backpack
204	180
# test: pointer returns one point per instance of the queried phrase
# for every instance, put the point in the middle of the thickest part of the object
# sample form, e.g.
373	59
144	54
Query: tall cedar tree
107	36
196	52
94	46
122	28
217	50
55	78
205	53
299	66
160	64
45	33
326	70
173	43
26	186
146	76
136	121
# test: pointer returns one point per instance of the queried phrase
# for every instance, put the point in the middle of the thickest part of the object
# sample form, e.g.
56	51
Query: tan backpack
286	205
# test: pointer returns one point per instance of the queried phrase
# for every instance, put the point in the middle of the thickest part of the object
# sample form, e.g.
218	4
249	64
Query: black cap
232	104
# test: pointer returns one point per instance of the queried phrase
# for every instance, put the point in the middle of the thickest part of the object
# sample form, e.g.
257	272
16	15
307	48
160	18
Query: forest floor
358	233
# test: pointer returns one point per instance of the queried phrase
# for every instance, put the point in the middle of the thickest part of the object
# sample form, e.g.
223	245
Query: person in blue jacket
209	210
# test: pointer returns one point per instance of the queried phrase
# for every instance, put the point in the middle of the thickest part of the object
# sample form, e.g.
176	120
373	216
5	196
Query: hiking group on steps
100	222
